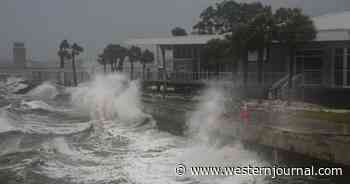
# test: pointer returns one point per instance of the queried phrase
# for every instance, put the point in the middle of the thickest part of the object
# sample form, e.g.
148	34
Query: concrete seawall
330	147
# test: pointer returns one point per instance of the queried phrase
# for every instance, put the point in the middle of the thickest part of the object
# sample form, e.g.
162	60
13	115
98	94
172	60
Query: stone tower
19	55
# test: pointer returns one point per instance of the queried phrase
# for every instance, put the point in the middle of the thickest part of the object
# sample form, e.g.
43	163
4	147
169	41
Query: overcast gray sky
42	24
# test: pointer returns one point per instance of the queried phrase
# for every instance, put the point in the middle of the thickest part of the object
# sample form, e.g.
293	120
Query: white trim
175	40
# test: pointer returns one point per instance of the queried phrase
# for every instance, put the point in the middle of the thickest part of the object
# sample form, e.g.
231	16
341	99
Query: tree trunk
74	71
105	67
115	65
120	64
260	73
131	69
245	71
291	73
62	62
120	69
143	71
260	66
111	65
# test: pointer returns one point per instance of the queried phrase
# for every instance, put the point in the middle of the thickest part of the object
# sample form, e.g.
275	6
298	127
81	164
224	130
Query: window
338	78
183	52
339	67
310	62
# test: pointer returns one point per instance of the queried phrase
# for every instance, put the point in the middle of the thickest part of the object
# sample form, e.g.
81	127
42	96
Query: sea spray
109	97
211	144
210	121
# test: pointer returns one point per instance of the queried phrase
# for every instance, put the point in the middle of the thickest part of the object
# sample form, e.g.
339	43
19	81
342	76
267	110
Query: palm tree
146	57
103	61
293	28
134	54
241	45
76	50
122	53
63	52
110	55
114	54
262	26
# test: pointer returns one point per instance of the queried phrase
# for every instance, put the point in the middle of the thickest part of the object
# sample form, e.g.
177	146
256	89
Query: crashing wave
109	97
45	91
13	85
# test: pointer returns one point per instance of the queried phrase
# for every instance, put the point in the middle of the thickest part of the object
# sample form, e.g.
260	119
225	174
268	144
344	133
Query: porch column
332	56
164	70
327	67
345	66
157	56
199	60
162	48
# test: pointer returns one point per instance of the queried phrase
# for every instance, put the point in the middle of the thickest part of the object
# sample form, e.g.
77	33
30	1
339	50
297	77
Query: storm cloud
42	24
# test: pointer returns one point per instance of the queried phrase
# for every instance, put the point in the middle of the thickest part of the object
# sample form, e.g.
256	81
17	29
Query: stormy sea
102	132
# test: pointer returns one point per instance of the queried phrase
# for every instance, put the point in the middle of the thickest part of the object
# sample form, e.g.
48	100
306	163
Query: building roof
333	21
175	40
331	27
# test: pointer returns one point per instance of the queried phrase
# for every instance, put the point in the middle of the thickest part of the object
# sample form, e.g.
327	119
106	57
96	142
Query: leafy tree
293	28
75	51
63	52
134	54
207	22
235	20
215	52
262	26
253	26
146	58
225	16
178	31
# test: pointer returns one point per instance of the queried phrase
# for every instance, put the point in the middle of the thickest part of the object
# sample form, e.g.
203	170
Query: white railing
37	75
191	77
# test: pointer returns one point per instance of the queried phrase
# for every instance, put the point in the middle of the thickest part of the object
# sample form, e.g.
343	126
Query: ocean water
99	133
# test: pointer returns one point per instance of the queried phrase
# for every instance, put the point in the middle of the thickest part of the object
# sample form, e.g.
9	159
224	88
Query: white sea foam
5	124
36	105
45	91
12	85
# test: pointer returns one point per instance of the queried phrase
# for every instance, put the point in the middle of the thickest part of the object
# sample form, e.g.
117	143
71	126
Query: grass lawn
343	118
